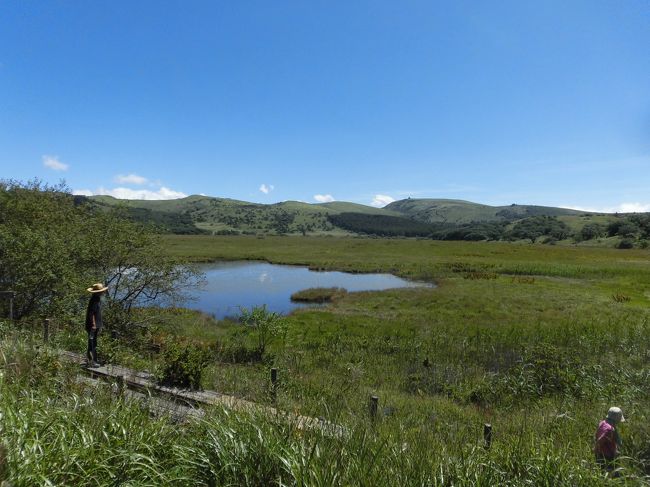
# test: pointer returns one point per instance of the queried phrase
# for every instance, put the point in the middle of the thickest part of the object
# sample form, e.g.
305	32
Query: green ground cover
537	340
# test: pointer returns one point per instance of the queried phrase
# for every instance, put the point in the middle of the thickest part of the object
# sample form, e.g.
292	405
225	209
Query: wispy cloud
381	200
163	193
634	207
53	162
266	188
621	208
130	179
324	198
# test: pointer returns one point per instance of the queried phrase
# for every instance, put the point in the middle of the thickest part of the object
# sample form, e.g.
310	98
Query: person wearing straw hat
94	321
608	441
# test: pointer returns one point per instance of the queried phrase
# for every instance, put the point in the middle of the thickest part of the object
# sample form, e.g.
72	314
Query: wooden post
374	407
46	330
121	384
10	295
274	383
487	435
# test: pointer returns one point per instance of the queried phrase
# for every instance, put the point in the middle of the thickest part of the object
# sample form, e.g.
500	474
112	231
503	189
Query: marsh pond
230	286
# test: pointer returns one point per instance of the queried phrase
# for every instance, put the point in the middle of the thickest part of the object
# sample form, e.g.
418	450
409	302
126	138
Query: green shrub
591	231
182	365
266	324
626	243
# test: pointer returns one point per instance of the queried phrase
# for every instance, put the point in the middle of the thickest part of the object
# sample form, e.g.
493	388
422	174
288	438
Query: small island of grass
319	295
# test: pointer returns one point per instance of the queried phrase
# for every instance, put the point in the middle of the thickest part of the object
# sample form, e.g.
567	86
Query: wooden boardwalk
181	404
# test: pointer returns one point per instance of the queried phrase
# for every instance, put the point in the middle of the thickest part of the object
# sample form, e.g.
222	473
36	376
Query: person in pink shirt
608	441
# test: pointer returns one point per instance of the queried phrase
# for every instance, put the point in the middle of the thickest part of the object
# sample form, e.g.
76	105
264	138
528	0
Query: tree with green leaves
534	227
591	231
53	245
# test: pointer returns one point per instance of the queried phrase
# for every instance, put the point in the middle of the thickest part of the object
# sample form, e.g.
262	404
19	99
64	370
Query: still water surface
231	286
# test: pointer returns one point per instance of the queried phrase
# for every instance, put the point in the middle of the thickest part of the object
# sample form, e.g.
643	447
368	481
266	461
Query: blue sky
366	101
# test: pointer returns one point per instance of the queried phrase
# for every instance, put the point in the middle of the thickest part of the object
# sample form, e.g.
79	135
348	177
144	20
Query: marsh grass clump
467	267
319	295
481	275
523	280
621	298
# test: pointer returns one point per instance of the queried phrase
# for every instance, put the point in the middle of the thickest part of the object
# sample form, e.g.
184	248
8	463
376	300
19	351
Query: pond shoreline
232	285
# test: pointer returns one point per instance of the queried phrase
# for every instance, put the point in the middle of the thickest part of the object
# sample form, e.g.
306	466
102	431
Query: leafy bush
624	227
538	226
265	324
591	231
626	243
182	365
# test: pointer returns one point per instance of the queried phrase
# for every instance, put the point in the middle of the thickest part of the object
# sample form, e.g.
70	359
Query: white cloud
53	163
162	193
266	189
381	200
324	198
131	179
634	207
622	208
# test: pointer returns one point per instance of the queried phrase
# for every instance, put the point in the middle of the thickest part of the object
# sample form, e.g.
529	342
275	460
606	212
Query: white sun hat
616	414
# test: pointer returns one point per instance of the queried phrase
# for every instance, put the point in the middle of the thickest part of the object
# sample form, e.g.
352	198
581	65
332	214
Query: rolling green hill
459	211
227	216
436	218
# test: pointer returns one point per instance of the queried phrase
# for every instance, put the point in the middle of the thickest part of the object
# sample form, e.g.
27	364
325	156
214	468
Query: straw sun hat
97	288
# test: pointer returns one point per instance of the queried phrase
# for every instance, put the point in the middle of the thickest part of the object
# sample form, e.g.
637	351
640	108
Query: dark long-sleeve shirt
94	311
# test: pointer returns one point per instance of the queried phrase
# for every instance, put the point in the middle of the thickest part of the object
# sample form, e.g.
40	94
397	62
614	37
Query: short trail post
10	296
487	435
374	407
121	384
274	383
46	330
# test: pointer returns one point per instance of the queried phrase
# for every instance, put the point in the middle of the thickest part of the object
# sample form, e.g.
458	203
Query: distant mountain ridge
460	211
213	215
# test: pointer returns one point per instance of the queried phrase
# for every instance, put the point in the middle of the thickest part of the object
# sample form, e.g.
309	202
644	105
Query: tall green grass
56	431
540	358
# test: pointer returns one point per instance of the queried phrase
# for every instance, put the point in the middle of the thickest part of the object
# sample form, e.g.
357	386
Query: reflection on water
231	286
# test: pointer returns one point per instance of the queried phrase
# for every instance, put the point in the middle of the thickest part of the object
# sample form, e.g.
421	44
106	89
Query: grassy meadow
537	340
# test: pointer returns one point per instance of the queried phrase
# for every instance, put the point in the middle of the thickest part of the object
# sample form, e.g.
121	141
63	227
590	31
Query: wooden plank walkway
155	405
143	383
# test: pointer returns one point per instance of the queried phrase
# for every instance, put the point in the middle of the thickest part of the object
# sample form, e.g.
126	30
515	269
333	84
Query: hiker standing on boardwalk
94	321
608	441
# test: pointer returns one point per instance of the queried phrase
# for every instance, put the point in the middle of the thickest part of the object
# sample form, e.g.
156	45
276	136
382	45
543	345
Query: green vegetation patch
319	295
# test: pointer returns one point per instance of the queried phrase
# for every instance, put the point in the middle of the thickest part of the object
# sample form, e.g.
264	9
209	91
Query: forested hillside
424	218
